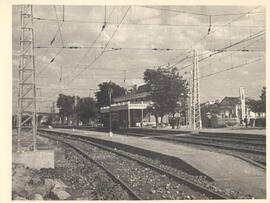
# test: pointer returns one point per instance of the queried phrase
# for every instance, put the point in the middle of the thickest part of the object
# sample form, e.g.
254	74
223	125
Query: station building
130	110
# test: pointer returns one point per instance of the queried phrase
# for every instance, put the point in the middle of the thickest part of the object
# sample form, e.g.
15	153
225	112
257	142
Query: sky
139	31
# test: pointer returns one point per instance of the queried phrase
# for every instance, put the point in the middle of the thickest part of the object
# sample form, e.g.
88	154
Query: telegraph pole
110	116
27	86
195	95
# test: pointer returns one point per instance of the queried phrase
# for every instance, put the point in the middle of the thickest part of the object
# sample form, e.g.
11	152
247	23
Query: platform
226	170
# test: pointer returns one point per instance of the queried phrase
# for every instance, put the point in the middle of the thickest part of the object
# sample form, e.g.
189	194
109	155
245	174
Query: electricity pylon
27	86
195	95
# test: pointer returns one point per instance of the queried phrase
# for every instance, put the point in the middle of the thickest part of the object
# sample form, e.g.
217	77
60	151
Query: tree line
168	93
165	84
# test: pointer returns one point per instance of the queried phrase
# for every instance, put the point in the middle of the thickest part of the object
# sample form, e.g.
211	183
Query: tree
102	95
166	87
263	99
259	106
86	109
65	104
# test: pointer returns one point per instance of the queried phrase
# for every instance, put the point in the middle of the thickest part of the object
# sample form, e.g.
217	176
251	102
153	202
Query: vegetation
65	103
86	109
102	95
259	106
166	87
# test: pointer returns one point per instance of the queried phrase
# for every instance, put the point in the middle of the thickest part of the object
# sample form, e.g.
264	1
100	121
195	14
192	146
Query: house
230	107
227	112
131	110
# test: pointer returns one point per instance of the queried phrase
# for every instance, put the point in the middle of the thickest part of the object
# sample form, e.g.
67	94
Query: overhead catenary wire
69	82
213	31
201	14
52	41
228	23
130	48
52	60
227	47
146	24
231	54
222	49
153	49
231	68
92	44
58	24
106	45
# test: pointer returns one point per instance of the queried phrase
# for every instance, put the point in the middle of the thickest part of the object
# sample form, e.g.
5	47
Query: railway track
251	149
254	142
211	144
145	168
228	136
241	146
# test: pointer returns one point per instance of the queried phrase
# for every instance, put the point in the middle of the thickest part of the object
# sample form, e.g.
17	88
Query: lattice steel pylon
27	86
195	95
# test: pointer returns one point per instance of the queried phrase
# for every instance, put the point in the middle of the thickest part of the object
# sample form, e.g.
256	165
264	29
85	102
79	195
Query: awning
123	106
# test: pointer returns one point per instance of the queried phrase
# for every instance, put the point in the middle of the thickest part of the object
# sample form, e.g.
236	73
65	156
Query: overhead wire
52	60
106	45
69	82
227	47
59	28
201	14
231	68
128	48
132	48
213	31
228	23
52	41
146	24
92	44
255	41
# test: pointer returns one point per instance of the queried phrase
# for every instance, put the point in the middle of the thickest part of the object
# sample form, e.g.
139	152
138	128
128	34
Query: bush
260	122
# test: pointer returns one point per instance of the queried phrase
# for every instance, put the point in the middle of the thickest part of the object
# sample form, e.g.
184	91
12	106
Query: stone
82	198
59	194
37	197
17	197
35	180
54	184
59	184
49	184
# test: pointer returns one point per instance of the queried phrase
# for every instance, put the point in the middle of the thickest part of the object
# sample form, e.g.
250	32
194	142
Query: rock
37	197
35	181
49	184
41	189
59	184
82	198
17	197
54	183
59	194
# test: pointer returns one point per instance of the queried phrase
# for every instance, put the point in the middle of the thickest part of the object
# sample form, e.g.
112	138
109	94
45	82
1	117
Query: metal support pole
142	118
196	109
34	89
193	92
128	117
110	116
27	85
